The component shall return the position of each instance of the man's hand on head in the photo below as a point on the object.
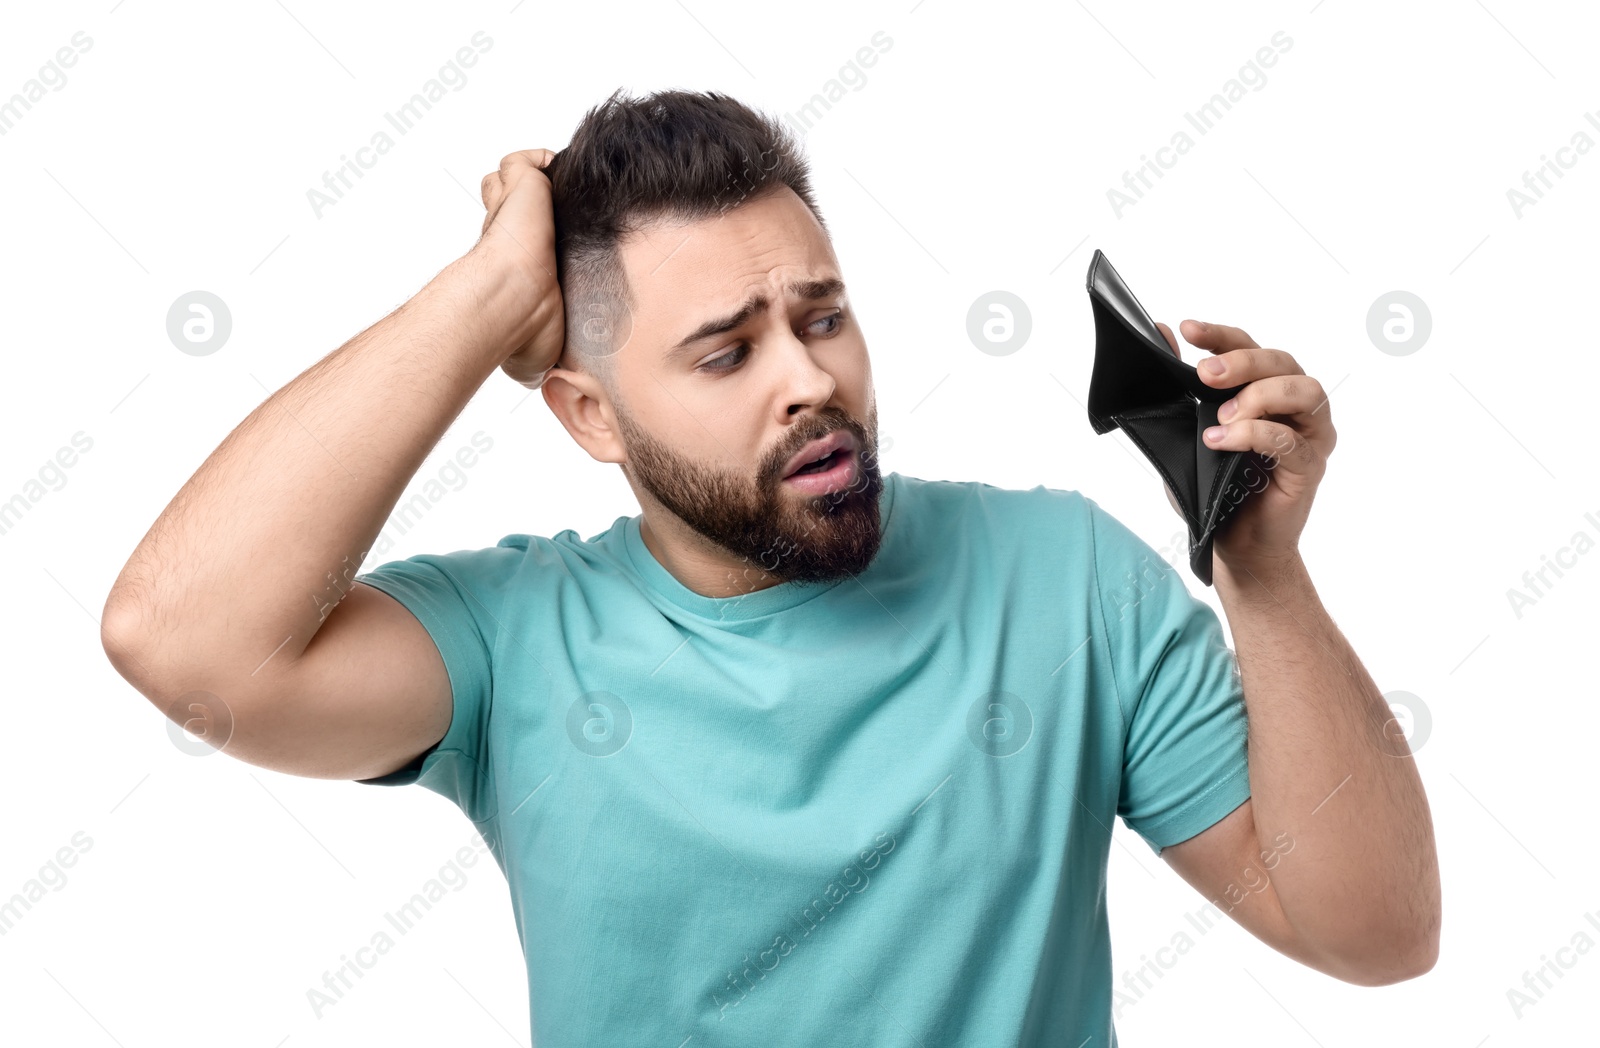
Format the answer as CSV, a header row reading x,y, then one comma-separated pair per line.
x,y
518,242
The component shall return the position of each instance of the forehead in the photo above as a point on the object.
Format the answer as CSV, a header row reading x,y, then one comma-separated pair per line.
x,y
679,271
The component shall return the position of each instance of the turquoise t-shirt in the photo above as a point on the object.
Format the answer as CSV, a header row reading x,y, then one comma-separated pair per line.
x,y
869,812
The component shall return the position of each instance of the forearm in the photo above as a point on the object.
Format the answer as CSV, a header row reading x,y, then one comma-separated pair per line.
x,y
1361,886
244,563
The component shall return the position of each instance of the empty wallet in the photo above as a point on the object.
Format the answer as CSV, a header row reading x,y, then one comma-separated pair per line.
x,y
1140,385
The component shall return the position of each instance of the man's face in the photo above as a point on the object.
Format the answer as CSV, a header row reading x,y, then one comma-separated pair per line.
x,y
711,422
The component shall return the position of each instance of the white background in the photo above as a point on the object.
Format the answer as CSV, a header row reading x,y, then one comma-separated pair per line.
x,y
976,155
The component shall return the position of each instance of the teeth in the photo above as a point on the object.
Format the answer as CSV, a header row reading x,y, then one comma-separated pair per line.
x,y
815,462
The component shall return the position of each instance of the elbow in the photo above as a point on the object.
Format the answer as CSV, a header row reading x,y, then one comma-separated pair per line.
x,y
1424,952
120,629
1388,971
127,639
1391,959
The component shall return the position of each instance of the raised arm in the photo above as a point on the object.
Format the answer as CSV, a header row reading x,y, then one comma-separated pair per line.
x,y
242,589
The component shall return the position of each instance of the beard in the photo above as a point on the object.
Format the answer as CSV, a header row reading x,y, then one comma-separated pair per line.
x,y
776,532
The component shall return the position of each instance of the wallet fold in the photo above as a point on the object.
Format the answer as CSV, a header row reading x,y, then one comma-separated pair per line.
x,y
1142,387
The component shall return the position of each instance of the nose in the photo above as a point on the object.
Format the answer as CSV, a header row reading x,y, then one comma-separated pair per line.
x,y
808,384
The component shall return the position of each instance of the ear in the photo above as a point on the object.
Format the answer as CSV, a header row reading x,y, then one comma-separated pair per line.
x,y
578,400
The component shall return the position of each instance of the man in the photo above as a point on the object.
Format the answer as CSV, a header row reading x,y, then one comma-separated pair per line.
x,y
803,753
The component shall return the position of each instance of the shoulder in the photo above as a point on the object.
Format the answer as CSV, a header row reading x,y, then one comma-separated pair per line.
x,y
1120,553
518,556
475,568
471,561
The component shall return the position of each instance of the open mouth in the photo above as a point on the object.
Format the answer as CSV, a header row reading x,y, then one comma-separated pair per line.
x,y
823,464
829,473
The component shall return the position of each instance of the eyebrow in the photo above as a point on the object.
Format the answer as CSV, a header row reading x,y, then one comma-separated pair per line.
x,y
807,290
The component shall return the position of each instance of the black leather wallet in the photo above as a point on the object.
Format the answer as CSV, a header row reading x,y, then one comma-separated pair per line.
x,y
1161,403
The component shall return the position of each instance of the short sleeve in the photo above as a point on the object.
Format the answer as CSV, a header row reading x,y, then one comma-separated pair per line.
x,y
1184,762
457,597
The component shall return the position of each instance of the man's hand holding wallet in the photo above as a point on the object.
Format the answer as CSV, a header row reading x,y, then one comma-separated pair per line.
x,y
1241,442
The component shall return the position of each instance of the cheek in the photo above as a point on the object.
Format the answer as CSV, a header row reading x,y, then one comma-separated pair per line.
x,y
854,375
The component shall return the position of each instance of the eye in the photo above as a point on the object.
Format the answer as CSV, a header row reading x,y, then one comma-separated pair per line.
x,y
731,360
740,351
836,318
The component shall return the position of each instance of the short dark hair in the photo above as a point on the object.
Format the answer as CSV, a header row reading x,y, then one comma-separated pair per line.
x,y
674,155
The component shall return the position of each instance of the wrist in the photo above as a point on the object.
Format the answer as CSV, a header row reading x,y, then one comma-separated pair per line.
x,y
500,305
1256,577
